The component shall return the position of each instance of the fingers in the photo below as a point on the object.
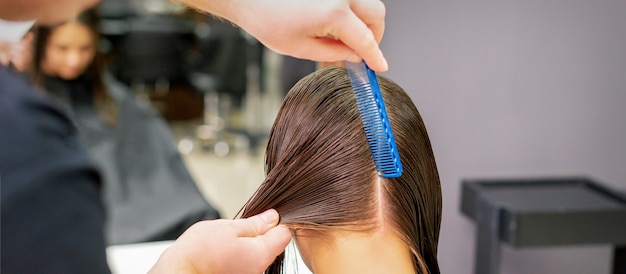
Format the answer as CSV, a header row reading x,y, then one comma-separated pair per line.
x,y
332,50
372,13
4,61
28,38
261,232
355,34
5,48
256,225
273,243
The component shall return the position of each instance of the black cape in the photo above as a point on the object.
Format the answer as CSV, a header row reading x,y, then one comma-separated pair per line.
x,y
148,192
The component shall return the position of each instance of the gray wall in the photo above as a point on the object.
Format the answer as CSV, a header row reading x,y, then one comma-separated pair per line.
x,y
515,88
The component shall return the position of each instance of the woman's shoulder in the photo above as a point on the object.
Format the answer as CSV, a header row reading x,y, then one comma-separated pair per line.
x,y
125,97
135,114
117,89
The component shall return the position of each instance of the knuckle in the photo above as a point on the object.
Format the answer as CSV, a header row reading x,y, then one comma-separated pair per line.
x,y
367,43
338,9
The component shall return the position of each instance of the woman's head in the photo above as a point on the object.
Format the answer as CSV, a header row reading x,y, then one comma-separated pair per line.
x,y
322,180
68,50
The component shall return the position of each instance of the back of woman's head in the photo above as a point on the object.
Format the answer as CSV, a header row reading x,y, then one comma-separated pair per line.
x,y
321,176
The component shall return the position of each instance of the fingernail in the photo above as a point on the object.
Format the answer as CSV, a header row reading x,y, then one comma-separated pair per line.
x,y
270,216
385,65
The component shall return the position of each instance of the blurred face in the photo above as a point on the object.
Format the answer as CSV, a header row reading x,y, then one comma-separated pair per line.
x,y
377,251
44,11
70,49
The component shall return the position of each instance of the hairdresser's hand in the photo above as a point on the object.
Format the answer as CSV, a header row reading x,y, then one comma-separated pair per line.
x,y
17,54
226,246
319,30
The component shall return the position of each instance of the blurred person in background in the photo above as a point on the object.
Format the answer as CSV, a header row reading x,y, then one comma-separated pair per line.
x,y
149,194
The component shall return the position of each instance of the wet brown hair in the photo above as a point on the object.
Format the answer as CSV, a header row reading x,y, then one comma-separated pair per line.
x,y
104,102
321,176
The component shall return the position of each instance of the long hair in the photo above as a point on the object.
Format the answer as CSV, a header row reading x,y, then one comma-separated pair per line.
x,y
320,174
103,101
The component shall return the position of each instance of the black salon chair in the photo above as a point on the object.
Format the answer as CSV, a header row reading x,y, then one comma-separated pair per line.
x,y
151,52
218,72
543,212
117,9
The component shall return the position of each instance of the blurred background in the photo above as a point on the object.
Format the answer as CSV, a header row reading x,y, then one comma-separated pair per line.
x,y
515,89
216,86
506,89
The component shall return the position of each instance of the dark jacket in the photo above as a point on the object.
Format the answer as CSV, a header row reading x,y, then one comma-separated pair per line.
x,y
52,218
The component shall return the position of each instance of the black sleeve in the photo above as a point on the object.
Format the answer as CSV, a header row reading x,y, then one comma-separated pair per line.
x,y
52,218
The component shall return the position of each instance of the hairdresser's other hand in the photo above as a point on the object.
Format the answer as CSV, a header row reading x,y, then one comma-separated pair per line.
x,y
17,54
319,30
226,246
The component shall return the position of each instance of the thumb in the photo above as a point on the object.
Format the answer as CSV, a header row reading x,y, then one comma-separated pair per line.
x,y
257,224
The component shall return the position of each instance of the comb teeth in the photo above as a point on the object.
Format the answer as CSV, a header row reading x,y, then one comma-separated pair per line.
x,y
375,120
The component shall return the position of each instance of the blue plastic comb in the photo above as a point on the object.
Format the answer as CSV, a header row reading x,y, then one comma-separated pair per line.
x,y
375,120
